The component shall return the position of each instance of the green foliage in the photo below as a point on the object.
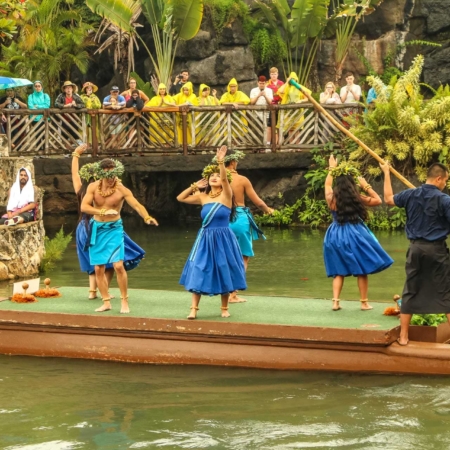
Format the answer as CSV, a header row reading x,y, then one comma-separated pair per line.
x,y
12,11
431,320
54,250
224,12
387,219
280,217
313,212
403,128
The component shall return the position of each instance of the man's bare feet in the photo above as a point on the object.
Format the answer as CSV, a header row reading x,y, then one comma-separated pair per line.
x,y
365,305
235,299
225,312
193,314
105,307
124,309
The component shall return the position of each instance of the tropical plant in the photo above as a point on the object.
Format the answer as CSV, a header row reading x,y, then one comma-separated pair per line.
x,y
403,128
145,87
224,12
11,11
54,250
52,40
431,320
170,21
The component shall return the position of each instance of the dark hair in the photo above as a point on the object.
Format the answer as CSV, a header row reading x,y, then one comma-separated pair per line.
x,y
347,199
233,202
437,170
80,195
184,70
107,164
134,91
349,74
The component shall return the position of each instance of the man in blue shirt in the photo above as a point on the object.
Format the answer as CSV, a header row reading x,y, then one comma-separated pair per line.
x,y
427,285
115,124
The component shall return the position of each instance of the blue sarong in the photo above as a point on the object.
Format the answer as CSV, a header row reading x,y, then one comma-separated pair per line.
x,y
245,229
106,243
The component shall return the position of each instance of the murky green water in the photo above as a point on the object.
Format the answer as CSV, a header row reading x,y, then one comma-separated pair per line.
x,y
57,404
60,404
288,263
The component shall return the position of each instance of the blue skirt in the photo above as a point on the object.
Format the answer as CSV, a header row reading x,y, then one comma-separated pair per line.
x,y
216,266
352,249
133,253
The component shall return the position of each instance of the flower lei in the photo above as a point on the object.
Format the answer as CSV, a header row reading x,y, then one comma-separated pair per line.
x,y
344,168
117,171
212,168
235,156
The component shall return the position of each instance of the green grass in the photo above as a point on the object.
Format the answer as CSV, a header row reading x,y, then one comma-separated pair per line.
x,y
258,309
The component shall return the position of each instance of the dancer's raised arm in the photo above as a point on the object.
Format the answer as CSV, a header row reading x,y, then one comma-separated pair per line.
x,y
187,195
76,179
221,152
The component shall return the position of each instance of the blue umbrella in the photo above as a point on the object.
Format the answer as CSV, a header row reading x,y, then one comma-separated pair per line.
x,y
6,82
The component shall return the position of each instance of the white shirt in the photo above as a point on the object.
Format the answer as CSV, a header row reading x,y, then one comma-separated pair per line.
x,y
350,98
262,100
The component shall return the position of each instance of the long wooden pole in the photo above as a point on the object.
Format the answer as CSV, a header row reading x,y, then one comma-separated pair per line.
x,y
341,127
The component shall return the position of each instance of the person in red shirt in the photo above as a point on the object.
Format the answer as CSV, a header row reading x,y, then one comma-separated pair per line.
x,y
274,83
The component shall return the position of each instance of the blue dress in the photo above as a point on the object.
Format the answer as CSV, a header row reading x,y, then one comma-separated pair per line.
x,y
133,253
352,249
215,265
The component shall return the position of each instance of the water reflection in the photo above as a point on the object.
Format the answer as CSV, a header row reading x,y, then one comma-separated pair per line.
x,y
70,404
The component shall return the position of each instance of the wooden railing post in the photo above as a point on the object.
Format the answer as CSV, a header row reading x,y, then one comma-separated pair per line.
x,y
94,129
8,132
137,118
45,118
228,111
273,126
184,129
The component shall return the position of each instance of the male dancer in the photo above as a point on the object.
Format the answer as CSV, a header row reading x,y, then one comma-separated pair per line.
x,y
244,226
427,285
104,200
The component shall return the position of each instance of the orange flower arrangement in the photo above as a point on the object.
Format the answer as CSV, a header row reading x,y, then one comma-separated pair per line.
x,y
23,298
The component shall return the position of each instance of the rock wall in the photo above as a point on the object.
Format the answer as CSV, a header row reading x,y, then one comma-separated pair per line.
x,y
156,181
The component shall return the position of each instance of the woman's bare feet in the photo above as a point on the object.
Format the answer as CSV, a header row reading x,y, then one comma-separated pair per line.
x,y
193,314
336,305
105,307
225,312
235,299
92,294
365,305
124,308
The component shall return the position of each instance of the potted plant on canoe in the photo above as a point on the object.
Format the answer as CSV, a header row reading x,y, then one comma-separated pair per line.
x,y
429,328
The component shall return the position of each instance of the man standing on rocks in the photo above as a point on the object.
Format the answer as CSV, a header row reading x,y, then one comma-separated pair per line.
x,y
427,285
244,226
104,200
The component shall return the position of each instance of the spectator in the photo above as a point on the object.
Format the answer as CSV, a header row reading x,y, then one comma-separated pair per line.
x,y
38,100
185,97
263,96
132,84
233,96
330,96
161,125
90,100
293,119
69,122
116,102
21,202
12,101
180,80
351,92
205,98
274,84
135,101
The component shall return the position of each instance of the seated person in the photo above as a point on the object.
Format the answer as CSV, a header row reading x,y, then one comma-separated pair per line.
x,y
21,202
135,101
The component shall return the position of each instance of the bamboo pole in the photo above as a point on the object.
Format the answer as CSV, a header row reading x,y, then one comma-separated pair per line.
x,y
341,127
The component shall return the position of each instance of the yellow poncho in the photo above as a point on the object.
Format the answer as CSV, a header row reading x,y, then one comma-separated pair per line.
x,y
209,99
237,97
182,98
157,100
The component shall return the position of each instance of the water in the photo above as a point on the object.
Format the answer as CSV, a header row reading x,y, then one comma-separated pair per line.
x,y
289,263
57,404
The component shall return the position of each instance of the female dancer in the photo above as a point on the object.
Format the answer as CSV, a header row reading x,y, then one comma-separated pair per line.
x,y
215,265
350,248
133,253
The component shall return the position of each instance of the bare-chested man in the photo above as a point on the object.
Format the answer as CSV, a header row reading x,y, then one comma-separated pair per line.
x,y
104,200
244,226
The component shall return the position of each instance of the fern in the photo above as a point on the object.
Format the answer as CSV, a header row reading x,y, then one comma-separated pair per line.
x,y
54,250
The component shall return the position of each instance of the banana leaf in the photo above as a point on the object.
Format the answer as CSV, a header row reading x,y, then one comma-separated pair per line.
x,y
186,17
153,11
118,12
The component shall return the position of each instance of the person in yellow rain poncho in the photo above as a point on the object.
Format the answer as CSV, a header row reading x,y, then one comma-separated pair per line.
x,y
161,128
185,97
209,122
235,98
289,95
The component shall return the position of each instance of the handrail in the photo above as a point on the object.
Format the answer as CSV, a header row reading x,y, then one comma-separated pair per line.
x,y
174,129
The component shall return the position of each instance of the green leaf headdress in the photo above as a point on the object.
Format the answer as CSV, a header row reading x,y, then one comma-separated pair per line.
x,y
345,168
236,155
89,171
118,170
212,168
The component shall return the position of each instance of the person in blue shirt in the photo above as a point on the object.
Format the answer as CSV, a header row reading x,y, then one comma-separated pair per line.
x,y
115,124
427,285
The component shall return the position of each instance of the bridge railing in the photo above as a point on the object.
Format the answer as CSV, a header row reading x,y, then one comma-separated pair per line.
x,y
182,129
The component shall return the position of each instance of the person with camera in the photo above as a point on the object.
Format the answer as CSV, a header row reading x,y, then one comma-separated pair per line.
x,y
263,96
180,80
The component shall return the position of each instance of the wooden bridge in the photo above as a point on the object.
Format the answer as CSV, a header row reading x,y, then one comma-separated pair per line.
x,y
172,130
